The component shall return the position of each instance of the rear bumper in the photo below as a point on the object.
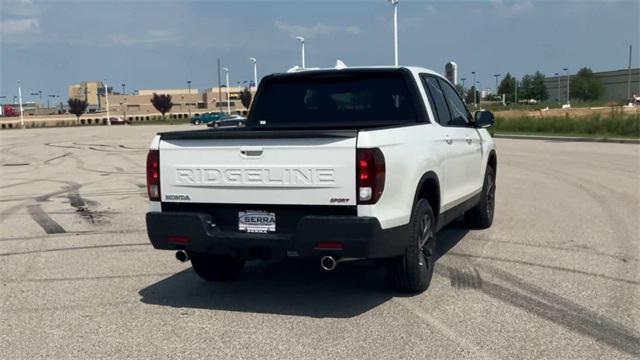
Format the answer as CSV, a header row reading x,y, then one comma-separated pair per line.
x,y
359,237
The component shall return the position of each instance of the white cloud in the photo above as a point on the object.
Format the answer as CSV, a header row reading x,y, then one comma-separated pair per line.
x,y
510,8
315,30
19,26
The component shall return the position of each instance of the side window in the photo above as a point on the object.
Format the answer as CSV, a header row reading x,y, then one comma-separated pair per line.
x,y
460,116
437,100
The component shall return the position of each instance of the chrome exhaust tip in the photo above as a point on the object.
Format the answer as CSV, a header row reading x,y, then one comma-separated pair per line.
x,y
328,263
182,256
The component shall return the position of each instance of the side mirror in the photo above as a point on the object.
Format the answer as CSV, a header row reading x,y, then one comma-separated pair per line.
x,y
484,119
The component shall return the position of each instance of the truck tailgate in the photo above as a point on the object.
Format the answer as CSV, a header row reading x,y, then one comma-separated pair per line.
x,y
252,167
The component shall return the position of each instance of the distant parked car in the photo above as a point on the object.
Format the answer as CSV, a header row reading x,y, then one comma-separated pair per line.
x,y
207,118
228,122
117,120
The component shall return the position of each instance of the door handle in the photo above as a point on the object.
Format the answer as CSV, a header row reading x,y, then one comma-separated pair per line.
x,y
251,150
448,139
469,140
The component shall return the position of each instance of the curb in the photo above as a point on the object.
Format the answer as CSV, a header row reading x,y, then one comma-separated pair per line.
x,y
568,138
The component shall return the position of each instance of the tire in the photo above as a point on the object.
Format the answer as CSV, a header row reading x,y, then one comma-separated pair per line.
x,y
481,215
412,272
216,267
197,122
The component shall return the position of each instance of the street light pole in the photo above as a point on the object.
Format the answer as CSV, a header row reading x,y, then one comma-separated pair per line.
x,y
106,101
475,89
558,75
21,110
568,87
394,3
255,71
463,79
496,76
226,70
189,85
629,77
301,39
515,97
124,92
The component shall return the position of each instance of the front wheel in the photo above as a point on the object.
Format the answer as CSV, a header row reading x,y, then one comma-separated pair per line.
x,y
197,122
412,272
481,215
216,267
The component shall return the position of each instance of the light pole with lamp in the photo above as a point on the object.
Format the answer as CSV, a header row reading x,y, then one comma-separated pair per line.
x,y
21,109
106,101
301,39
226,70
558,76
394,3
475,89
255,71
50,96
189,100
124,89
568,87
123,105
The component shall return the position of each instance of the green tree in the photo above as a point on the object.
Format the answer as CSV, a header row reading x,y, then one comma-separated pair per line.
x,y
538,87
524,89
245,97
162,103
469,97
507,87
77,107
533,87
585,86
460,90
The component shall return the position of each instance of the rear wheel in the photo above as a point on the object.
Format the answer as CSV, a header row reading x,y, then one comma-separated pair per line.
x,y
481,216
413,271
216,267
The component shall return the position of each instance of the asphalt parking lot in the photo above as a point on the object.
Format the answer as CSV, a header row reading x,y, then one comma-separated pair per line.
x,y
557,276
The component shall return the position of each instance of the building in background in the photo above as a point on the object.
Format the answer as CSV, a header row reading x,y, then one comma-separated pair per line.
x,y
90,91
184,101
451,72
614,82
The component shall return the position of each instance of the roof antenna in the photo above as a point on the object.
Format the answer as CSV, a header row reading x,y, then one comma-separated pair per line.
x,y
340,65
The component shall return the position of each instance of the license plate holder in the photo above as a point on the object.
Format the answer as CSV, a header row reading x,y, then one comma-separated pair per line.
x,y
254,221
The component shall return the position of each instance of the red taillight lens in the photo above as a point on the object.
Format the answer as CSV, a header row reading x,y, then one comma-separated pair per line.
x,y
329,245
153,175
370,173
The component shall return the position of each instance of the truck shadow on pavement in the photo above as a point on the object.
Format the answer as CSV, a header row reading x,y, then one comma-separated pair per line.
x,y
289,287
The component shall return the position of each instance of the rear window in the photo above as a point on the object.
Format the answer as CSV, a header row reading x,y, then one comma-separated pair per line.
x,y
334,100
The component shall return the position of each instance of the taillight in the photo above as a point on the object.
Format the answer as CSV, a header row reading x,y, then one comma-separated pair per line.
x,y
153,175
370,171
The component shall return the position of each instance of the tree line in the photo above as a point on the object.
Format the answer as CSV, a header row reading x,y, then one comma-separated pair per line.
x,y
583,86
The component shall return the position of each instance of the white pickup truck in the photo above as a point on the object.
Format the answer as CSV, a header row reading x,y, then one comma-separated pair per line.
x,y
333,164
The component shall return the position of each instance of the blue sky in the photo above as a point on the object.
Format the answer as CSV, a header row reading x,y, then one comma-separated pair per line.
x,y
162,43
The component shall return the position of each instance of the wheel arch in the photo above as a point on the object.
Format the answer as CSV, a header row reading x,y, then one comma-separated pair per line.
x,y
493,161
429,188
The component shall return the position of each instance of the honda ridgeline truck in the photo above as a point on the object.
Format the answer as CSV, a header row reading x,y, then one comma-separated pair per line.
x,y
333,164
